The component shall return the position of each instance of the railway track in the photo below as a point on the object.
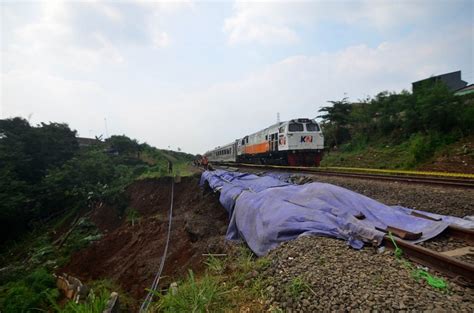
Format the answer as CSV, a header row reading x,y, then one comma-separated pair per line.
x,y
439,180
461,271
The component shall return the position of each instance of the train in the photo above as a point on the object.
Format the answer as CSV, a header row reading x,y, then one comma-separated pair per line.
x,y
297,142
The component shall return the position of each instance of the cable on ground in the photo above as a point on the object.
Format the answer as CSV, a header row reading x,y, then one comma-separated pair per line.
x,y
149,298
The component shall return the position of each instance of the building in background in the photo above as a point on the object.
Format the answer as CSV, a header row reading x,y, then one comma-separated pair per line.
x,y
466,90
452,80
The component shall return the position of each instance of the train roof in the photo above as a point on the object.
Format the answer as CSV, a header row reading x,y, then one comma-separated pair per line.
x,y
278,124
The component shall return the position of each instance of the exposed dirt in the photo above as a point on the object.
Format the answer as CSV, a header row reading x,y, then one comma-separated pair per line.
x,y
456,158
130,255
106,217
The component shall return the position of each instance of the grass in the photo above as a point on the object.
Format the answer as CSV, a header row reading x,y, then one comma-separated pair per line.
x,y
27,283
415,151
229,284
207,294
161,170
296,286
383,157
33,292
215,265
94,303
132,216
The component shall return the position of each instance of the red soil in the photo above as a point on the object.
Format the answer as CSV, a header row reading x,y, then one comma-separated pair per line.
x,y
130,255
456,158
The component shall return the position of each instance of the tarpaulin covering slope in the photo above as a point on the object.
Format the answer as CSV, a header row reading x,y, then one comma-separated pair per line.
x,y
265,211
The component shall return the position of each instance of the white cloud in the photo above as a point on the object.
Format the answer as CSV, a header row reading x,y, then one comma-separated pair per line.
x,y
80,36
299,85
160,39
50,65
276,22
260,22
52,43
47,97
296,86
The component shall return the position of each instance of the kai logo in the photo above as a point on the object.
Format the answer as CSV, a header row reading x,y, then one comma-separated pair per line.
x,y
282,140
306,139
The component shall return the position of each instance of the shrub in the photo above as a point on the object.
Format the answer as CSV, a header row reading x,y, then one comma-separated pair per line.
x,y
34,292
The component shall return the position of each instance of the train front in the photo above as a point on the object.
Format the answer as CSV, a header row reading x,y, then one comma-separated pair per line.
x,y
303,142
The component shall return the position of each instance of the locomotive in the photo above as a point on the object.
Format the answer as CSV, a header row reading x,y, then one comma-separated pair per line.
x,y
298,142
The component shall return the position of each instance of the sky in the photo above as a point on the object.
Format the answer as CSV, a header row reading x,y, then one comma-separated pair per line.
x,y
196,75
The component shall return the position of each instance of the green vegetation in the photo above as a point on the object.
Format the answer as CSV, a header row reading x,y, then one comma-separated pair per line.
x,y
395,130
230,283
204,295
32,292
48,184
93,304
132,216
296,286
43,172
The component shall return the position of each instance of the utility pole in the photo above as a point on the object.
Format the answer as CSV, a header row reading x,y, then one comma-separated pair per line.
x,y
278,117
106,130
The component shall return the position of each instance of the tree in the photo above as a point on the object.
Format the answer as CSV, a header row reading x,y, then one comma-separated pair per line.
x,y
26,154
124,145
30,151
337,119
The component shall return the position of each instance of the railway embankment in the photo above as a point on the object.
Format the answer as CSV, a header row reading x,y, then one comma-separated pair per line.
x,y
316,274
304,275
457,157
130,250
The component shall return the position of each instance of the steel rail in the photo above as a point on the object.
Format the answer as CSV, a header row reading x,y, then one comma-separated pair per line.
x,y
445,182
462,271
149,298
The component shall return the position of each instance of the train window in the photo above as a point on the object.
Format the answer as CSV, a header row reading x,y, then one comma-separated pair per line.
x,y
312,127
281,129
295,127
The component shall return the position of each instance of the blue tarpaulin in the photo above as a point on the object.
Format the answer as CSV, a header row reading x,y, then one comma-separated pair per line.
x,y
265,211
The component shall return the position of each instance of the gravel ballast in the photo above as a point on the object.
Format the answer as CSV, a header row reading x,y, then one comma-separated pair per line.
x,y
316,274
340,278
313,274
441,200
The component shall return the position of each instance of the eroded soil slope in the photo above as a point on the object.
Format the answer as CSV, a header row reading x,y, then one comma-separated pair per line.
x,y
130,254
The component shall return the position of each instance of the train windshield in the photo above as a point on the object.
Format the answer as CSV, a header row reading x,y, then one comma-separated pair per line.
x,y
312,127
295,127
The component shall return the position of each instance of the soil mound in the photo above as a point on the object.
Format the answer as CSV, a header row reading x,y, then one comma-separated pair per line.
x,y
130,255
455,158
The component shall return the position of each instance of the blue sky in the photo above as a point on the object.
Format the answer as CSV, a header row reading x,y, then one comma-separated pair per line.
x,y
196,75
